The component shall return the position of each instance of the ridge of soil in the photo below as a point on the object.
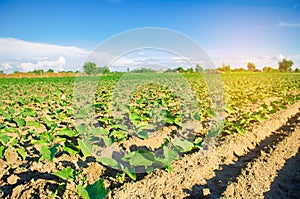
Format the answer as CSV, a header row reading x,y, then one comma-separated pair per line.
x,y
223,170
264,163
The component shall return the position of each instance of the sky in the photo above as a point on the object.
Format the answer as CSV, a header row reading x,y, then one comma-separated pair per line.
x,y
62,34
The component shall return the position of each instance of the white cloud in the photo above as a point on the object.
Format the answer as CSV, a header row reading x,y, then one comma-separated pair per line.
x,y
260,61
44,64
25,56
289,25
5,66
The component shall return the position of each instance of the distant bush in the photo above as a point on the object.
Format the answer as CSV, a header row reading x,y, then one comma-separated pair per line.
x,y
50,71
91,68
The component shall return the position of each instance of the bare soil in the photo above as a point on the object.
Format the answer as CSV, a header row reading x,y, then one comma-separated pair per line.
x,y
263,164
257,165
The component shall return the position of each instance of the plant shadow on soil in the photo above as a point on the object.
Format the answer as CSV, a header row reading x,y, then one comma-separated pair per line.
x,y
287,183
229,173
26,177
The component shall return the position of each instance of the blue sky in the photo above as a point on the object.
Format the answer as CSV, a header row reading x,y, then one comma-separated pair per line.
x,y
234,32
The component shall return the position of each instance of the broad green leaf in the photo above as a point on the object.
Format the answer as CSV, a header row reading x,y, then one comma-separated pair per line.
x,y
83,192
59,139
20,122
229,110
13,142
33,123
130,172
22,153
170,120
110,162
47,136
120,126
240,130
170,155
213,132
2,149
259,118
143,134
140,158
97,190
67,132
4,139
47,122
184,145
48,152
99,131
197,116
170,168
8,129
66,174
81,129
5,115
71,148
86,148
198,142
118,135
177,122
107,140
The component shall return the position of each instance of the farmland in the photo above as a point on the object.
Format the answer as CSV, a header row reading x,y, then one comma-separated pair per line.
x,y
157,124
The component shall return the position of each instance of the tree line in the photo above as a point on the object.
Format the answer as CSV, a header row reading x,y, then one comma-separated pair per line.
x,y
284,65
90,68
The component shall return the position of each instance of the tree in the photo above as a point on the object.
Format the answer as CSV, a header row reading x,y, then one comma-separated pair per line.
x,y
190,70
169,70
227,68
198,69
1,72
50,71
251,66
103,70
143,70
285,65
179,69
38,72
297,70
239,70
90,68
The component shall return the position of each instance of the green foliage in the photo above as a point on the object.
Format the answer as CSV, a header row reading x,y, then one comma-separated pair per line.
x,y
36,118
38,72
97,190
48,153
85,147
285,65
91,68
269,69
225,68
183,145
251,66
143,70
199,69
66,174
91,191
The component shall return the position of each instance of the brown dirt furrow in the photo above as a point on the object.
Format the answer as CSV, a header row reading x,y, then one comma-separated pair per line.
x,y
257,178
208,173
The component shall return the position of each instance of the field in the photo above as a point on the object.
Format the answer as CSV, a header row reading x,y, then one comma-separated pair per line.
x,y
232,135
